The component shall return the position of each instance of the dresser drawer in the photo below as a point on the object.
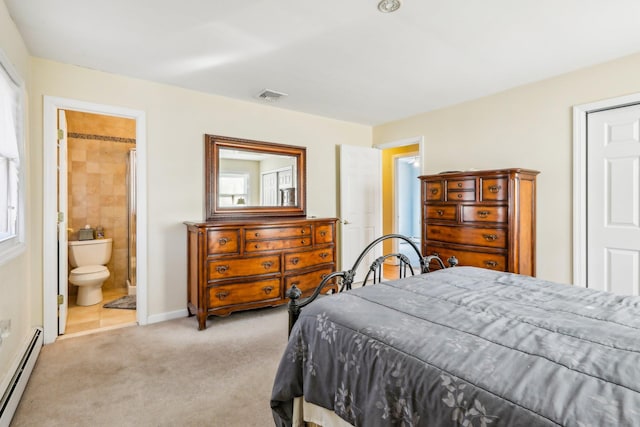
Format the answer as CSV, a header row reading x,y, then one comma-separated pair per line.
x,y
433,190
297,260
223,241
244,292
470,258
478,213
461,196
490,237
461,184
277,232
324,234
441,212
308,282
227,268
272,245
494,189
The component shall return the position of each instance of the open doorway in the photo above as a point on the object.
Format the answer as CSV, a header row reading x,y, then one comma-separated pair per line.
x,y
407,203
401,166
55,293
100,221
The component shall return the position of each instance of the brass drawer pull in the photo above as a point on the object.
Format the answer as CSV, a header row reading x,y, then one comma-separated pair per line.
x,y
459,195
322,277
440,212
495,188
459,185
323,255
256,234
302,231
491,263
257,246
267,265
490,237
434,191
323,233
303,242
222,269
295,260
267,289
483,214
222,295
223,241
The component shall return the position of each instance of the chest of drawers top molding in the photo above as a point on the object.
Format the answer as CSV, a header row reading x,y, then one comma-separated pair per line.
x,y
473,186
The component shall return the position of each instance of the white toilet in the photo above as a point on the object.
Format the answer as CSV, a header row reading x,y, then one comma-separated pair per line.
x,y
89,257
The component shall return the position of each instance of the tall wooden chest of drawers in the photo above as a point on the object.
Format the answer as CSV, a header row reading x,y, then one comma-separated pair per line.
x,y
484,218
239,265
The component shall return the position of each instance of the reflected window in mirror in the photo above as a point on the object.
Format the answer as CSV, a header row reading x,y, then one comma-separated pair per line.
x,y
234,189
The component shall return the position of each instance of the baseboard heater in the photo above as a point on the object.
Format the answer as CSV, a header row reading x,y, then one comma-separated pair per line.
x,y
15,388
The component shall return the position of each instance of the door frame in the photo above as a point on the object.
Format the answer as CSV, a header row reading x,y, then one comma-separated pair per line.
x,y
419,140
51,105
580,184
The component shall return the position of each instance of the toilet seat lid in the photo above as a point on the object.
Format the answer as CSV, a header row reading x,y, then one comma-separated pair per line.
x,y
87,269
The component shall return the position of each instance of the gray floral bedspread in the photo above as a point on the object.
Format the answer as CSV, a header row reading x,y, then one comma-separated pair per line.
x,y
469,347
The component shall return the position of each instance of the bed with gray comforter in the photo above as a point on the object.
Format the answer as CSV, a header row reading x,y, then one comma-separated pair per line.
x,y
466,346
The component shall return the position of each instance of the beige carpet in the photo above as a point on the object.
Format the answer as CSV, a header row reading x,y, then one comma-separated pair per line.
x,y
165,374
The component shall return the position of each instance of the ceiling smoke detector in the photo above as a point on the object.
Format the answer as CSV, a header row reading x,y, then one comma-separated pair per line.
x,y
270,95
387,6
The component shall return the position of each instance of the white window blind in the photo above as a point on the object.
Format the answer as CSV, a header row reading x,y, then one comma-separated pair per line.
x,y
233,189
11,140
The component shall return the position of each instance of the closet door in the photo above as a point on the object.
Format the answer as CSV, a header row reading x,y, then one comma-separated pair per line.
x,y
613,203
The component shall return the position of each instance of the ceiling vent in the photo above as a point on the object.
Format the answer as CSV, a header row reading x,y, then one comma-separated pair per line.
x,y
270,95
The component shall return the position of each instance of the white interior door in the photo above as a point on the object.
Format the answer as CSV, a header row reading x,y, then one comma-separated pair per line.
x,y
269,189
62,222
360,204
613,200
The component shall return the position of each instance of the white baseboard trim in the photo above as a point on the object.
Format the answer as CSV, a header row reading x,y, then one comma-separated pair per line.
x,y
170,315
21,370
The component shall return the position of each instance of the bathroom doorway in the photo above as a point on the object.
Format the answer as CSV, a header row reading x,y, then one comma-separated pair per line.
x,y
101,205
105,199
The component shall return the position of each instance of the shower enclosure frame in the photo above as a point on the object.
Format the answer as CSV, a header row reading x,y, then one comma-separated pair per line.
x,y
131,222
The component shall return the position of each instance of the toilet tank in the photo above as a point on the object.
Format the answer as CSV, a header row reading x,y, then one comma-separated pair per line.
x,y
89,252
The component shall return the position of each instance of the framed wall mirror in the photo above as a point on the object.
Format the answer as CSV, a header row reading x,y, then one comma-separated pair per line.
x,y
245,178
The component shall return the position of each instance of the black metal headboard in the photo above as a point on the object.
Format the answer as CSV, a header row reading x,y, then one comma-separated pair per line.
x,y
343,280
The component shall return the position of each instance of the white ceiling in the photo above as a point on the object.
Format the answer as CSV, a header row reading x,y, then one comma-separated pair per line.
x,y
336,58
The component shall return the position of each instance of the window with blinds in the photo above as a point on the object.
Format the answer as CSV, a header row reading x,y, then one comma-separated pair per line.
x,y
11,160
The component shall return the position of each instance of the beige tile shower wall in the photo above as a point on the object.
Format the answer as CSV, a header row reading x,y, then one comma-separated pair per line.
x,y
98,148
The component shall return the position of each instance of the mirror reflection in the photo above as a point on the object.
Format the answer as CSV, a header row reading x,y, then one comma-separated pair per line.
x,y
253,178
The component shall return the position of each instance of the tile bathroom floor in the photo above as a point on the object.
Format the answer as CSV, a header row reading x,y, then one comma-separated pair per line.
x,y
81,319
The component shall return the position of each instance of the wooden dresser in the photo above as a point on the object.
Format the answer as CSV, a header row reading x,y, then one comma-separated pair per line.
x,y
484,218
239,265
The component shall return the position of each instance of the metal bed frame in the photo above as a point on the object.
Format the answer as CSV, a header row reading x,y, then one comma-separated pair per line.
x,y
343,280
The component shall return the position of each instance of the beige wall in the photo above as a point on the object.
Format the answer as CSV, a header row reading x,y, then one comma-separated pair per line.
x,y
530,127
15,277
176,120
